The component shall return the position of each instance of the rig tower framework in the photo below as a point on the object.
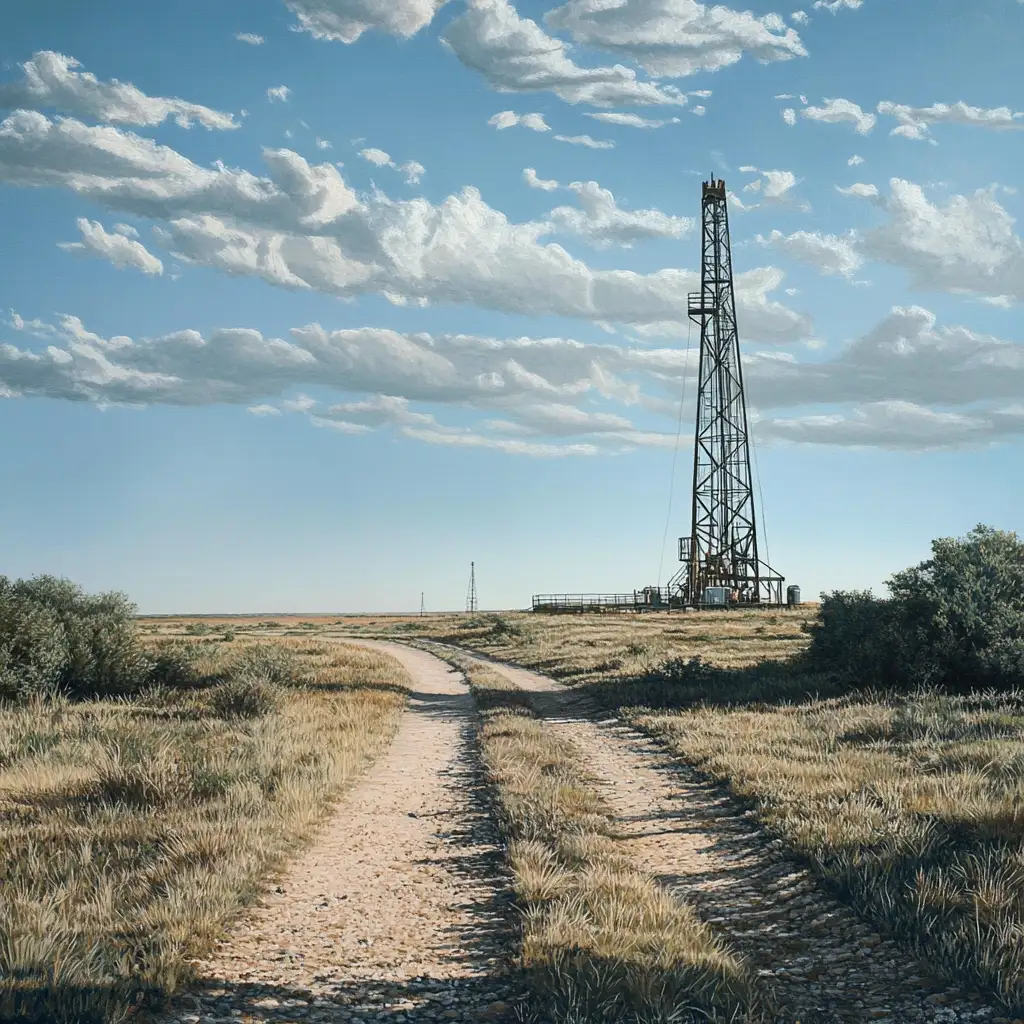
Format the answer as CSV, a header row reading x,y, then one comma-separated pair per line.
x,y
471,601
721,562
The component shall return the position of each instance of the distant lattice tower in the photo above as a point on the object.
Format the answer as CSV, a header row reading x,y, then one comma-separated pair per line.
x,y
721,552
471,602
423,607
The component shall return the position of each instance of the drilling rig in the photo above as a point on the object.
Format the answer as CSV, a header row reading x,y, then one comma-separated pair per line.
x,y
721,564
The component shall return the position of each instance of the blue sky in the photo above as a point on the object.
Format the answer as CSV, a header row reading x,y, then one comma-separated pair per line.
x,y
317,347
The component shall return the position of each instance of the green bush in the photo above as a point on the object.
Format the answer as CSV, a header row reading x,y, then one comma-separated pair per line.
x,y
55,638
955,620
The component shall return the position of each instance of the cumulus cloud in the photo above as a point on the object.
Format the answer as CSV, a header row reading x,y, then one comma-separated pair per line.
x,y
600,221
831,254
345,21
789,116
631,120
838,110
966,245
586,140
675,38
515,54
279,92
250,37
860,190
855,161
531,179
50,81
412,169
915,122
907,383
838,5
303,227
120,249
773,188
799,17
509,119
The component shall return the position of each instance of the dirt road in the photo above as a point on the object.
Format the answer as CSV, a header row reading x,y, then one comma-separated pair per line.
x,y
400,910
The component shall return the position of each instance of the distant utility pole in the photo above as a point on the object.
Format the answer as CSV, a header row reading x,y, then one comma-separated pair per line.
x,y
423,607
471,602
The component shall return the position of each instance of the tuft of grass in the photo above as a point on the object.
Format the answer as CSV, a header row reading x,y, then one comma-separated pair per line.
x,y
133,830
602,941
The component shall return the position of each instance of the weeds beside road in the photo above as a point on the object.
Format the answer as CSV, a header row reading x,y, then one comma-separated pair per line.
x,y
601,940
132,829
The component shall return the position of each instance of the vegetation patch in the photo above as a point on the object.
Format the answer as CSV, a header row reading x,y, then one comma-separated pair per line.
x,y
910,806
135,825
601,940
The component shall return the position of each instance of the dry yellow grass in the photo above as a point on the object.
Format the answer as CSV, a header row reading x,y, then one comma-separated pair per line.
x,y
132,831
913,808
601,940
589,648
910,806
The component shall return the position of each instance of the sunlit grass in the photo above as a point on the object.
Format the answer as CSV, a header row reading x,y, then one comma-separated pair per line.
x,y
132,831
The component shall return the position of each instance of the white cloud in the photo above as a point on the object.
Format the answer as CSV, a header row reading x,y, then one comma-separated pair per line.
x,y
119,249
50,81
631,120
412,169
676,37
346,20
600,221
773,187
127,230
855,161
377,157
699,110
799,17
531,179
322,143
860,190
837,110
914,122
585,140
789,116
509,119
250,37
966,245
907,383
303,227
838,5
831,254
515,54
279,92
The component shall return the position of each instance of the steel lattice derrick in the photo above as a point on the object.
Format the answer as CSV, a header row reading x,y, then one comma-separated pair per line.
x,y
722,549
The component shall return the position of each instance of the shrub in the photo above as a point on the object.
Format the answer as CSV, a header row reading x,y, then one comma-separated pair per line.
x,y
955,620
55,637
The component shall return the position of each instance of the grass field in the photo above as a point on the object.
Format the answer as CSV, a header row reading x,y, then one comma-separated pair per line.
x,y
132,830
911,806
